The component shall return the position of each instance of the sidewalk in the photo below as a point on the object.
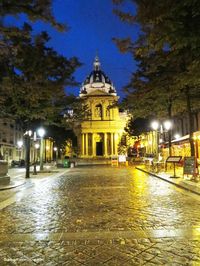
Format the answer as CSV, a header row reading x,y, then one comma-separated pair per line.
x,y
17,176
179,181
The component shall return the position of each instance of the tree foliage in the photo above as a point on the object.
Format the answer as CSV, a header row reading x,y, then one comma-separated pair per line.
x,y
34,9
137,126
32,75
168,52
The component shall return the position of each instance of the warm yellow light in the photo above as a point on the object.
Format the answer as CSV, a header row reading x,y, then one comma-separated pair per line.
x,y
167,124
19,143
37,145
177,136
41,132
155,125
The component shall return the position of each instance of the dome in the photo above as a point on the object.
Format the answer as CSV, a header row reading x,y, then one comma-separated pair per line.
x,y
97,76
97,80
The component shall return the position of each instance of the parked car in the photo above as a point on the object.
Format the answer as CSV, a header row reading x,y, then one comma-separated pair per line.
x,y
20,163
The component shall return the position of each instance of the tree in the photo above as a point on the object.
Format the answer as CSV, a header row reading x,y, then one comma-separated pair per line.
x,y
33,76
60,135
34,10
36,79
167,27
137,126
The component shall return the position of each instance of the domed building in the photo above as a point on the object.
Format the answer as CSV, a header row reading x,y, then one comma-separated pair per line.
x,y
99,134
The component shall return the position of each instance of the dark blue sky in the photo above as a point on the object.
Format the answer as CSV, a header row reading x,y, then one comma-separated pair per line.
x,y
92,26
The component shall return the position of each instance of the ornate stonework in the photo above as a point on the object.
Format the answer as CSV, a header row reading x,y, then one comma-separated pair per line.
x,y
100,134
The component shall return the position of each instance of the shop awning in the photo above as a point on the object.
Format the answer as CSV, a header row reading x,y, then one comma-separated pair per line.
x,y
181,139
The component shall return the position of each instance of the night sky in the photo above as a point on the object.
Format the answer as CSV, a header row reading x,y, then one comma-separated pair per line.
x,y
92,26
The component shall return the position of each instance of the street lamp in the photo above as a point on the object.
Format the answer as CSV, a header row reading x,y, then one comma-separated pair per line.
x,y
41,133
155,126
168,126
55,150
19,145
27,136
36,147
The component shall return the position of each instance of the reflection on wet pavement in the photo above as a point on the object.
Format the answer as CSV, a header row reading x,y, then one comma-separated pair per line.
x,y
104,208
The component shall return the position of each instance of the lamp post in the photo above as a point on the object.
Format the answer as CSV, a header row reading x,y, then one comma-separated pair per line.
x,y
155,126
41,133
19,145
167,128
36,147
55,150
27,137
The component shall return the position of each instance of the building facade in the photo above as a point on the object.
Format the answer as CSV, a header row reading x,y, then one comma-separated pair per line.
x,y
99,134
180,145
10,134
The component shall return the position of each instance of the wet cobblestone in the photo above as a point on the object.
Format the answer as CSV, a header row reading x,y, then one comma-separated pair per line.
x,y
101,215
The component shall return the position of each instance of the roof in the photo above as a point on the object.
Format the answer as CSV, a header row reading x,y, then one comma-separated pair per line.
x,y
97,80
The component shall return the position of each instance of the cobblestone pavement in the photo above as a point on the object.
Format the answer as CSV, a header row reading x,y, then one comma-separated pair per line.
x,y
101,215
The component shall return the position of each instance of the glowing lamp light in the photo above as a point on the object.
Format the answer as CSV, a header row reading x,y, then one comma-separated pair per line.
x,y
41,132
19,143
177,136
28,133
167,125
155,125
37,145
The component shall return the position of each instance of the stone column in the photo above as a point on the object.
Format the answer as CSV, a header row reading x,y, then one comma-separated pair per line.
x,y
115,140
86,144
114,143
105,145
93,146
83,144
111,143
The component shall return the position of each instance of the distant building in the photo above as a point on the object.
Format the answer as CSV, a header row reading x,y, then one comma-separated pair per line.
x,y
99,134
10,134
180,145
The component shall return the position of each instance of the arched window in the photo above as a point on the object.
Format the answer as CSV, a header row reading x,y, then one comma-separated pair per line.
x,y
98,110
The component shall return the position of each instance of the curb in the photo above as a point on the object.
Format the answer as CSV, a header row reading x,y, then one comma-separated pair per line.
x,y
13,184
183,186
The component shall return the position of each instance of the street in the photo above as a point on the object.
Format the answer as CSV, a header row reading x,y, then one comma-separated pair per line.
x,y
94,215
